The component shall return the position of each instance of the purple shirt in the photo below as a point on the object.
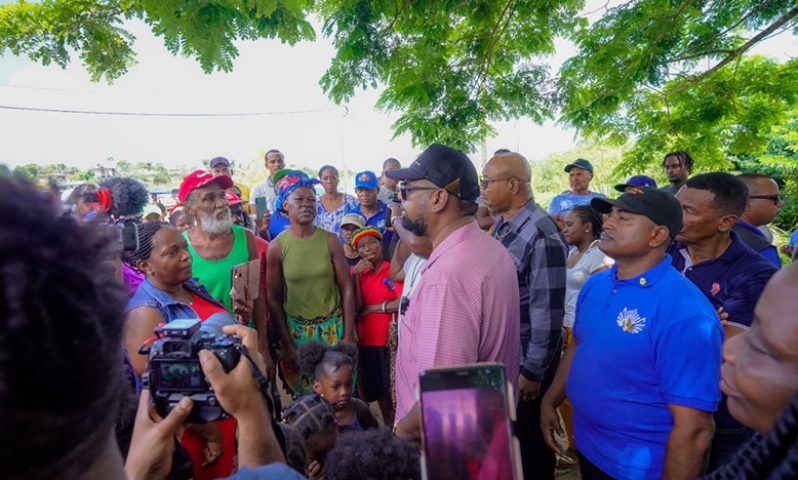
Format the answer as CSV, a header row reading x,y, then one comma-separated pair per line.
x,y
465,309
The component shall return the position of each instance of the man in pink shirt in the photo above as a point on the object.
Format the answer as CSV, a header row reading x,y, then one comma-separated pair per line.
x,y
465,308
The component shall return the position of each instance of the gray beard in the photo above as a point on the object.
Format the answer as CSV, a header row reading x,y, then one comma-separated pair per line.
x,y
213,226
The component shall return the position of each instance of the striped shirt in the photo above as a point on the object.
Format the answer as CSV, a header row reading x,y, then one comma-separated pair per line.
x,y
463,310
539,252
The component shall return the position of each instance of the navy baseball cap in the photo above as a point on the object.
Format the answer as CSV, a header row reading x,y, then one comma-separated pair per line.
x,y
579,163
660,207
637,181
217,161
447,168
366,179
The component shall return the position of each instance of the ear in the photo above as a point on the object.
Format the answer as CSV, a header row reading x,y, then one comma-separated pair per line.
x,y
659,236
143,265
515,185
317,387
727,222
438,199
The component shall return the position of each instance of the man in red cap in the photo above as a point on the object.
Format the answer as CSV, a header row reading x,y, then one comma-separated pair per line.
x,y
217,245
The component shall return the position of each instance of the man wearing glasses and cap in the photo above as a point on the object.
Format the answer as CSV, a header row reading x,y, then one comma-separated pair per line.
x,y
465,306
764,205
580,174
643,370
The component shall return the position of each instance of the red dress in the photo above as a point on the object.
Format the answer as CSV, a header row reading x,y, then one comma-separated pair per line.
x,y
193,443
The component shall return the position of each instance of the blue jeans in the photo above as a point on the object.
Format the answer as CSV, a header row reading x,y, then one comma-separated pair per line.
x,y
726,443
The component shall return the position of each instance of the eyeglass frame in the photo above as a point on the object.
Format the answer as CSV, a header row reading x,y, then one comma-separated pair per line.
x,y
487,182
775,198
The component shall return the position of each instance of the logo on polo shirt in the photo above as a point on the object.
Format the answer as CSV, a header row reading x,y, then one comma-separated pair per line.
x,y
630,321
715,289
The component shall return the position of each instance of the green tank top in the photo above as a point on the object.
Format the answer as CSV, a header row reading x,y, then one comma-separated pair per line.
x,y
217,275
310,290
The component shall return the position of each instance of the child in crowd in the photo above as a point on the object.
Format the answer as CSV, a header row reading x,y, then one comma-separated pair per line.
x,y
332,370
313,418
373,454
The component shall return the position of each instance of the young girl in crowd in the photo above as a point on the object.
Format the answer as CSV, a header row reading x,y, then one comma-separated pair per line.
x,y
377,297
332,370
313,419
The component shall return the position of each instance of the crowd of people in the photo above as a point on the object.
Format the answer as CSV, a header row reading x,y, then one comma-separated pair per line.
x,y
652,335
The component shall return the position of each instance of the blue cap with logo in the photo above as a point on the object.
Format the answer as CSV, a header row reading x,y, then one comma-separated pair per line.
x,y
637,181
579,163
366,179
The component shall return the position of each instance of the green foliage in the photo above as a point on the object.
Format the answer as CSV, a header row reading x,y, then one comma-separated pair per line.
x,y
671,75
449,67
205,30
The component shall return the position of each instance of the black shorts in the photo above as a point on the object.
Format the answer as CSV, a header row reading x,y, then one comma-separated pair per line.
x,y
375,372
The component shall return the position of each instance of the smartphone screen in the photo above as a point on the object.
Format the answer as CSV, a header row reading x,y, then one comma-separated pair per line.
x,y
466,423
260,208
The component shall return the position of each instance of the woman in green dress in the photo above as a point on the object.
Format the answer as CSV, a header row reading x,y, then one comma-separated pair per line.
x,y
310,290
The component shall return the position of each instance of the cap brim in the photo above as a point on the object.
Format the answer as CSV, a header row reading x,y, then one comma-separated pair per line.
x,y
223,181
621,187
404,174
604,205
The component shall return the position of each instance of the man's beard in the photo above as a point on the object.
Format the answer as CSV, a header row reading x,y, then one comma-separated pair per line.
x,y
417,227
215,226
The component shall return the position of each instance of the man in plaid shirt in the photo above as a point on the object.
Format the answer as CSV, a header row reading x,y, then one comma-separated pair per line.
x,y
539,252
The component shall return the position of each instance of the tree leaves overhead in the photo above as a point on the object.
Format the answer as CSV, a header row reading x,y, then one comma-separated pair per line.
x,y
449,67
204,29
656,74
673,75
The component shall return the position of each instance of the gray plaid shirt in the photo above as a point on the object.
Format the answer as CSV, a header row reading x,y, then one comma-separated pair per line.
x,y
539,252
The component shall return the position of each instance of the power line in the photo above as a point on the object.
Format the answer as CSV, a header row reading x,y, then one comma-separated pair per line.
x,y
160,114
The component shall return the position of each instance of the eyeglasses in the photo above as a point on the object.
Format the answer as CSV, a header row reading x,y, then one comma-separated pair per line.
x,y
775,198
486,182
404,190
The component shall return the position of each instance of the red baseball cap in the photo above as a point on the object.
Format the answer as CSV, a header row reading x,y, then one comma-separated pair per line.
x,y
200,178
232,198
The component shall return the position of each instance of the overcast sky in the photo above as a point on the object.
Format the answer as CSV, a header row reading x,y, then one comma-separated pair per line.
x,y
267,77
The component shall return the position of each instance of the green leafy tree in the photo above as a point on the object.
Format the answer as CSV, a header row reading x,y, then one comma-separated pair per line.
x,y
673,75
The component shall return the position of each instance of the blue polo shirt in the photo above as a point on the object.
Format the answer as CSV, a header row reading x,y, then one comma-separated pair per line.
x,y
380,221
565,202
278,223
642,344
734,280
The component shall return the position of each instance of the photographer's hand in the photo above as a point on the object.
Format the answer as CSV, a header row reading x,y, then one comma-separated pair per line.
x,y
153,442
238,393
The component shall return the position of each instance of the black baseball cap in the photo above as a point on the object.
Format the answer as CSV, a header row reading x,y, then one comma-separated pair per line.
x,y
579,163
217,161
446,167
660,207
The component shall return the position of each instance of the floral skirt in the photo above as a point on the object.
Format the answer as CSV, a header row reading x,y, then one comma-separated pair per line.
x,y
329,330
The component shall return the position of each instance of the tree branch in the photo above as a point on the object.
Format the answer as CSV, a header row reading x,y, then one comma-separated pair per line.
x,y
738,51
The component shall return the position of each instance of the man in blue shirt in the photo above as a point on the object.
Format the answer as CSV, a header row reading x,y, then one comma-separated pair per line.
x,y
764,205
643,371
728,272
376,213
580,173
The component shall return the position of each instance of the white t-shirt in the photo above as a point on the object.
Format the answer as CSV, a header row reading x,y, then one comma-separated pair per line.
x,y
576,276
264,189
412,269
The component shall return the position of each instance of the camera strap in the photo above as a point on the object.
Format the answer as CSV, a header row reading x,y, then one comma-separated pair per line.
x,y
263,386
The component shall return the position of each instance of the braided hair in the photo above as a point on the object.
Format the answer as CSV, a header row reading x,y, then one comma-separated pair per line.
x,y
588,215
315,356
310,415
773,456
147,232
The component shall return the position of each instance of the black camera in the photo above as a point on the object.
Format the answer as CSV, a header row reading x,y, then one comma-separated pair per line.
x,y
174,369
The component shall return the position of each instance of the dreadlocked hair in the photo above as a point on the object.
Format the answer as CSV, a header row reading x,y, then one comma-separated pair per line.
x,y
310,415
314,356
146,233
61,363
774,456
128,196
